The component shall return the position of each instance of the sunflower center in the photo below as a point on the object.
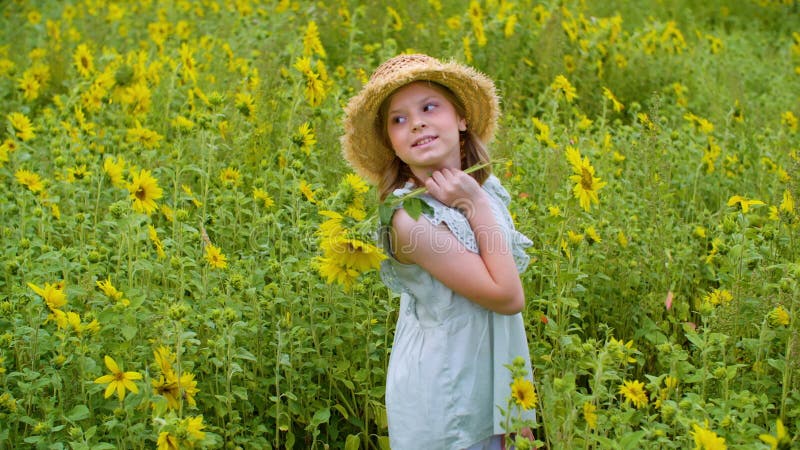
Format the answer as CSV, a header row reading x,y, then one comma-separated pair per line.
x,y
586,179
85,62
141,194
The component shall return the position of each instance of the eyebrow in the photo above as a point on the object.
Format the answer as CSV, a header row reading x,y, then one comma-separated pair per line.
x,y
424,100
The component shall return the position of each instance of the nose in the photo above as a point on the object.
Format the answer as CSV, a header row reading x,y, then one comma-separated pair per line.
x,y
418,125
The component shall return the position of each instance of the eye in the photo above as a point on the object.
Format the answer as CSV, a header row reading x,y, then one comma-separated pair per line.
x,y
429,107
397,120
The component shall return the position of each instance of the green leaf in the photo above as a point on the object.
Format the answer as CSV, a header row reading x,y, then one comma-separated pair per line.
x,y
128,331
77,413
385,212
631,440
415,206
321,416
103,446
353,442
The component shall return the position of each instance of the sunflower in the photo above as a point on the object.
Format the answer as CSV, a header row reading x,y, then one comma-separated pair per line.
x,y
260,194
743,203
781,440
53,294
590,414
144,192
194,427
215,257
562,85
586,184
230,176
334,271
118,380
353,253
706,439
23,128
109,290
84,61
168,441
634,393
29,179
524,393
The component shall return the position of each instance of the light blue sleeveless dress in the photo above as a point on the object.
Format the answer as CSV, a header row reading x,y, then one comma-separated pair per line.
x,y
446,375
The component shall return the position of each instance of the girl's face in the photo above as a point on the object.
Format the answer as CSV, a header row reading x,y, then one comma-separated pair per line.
x,y
423,128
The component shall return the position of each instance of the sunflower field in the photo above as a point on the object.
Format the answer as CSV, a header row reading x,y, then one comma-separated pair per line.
x,y
188,262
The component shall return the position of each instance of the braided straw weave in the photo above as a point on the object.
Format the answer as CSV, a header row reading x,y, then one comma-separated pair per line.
x,y
362,145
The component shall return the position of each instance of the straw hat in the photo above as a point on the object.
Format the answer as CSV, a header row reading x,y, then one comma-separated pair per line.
x,y
362,145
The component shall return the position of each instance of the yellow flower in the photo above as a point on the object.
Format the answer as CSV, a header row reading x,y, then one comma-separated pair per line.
x,y
335,271
164,359
397,22
311,42
787,204
215,257
743,202
84,61
356,183
174,389
23,128
118,380
109,290
524,393
586,184
618,107
148,138
622,239
53,294
305,189
718,297
589,414
781,440
183,123
153,235
188,190
230,176
305,138
592,235
260,194
554,211
137,97
245,103
790,120
29,85
77,173
634,393
561,85
705,439
194,427
168,441
575,238
29,180
144,192
779,316
353,253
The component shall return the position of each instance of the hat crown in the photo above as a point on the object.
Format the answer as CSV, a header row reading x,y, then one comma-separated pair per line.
x,y
403,62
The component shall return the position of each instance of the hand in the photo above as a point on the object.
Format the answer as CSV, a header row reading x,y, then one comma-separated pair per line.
x,y
455,188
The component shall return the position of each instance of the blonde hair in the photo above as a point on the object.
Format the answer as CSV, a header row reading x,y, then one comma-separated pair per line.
x,y
397,172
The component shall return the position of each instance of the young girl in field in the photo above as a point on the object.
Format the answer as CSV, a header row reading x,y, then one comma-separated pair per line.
x,y
420,122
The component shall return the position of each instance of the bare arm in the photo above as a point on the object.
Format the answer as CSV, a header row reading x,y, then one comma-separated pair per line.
x,y
489,278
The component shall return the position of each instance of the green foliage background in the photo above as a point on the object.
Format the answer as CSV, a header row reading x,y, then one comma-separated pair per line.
x,y
283,359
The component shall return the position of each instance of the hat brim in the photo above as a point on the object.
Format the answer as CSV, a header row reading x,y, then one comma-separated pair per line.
x,y
362,145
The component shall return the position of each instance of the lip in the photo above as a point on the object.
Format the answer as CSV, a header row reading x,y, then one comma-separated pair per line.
x,y
424,140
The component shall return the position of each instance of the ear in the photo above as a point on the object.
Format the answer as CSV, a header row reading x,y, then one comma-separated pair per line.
x,y
462,124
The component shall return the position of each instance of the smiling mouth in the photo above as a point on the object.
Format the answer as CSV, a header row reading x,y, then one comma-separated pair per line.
x,y
423,141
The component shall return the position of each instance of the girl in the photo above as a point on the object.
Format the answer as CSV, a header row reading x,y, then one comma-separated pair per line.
x,y
420,122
